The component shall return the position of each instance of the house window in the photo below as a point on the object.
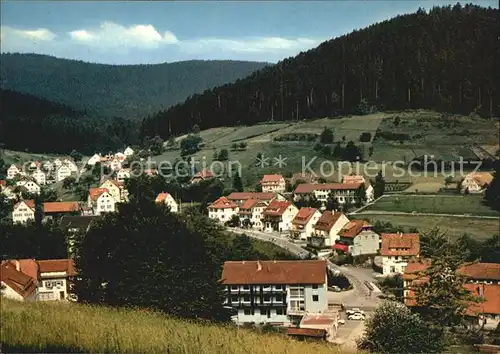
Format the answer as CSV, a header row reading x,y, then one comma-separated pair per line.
x,y
280,311
234,287
246,298
315,298
234,298
263,312
315,286
247,312
246,287
279,298
267,298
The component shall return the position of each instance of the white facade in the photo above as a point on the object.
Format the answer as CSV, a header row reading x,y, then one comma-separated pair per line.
x,y
94,159
113,190
128,151
13,171
366,242
62,172
254,215
120,156
306,230
72,166
105,203
22,213
57,163
52,286
392,265
115,164
31,186
48,166
169,201
122,175
273,184
284,221
39,176
222,214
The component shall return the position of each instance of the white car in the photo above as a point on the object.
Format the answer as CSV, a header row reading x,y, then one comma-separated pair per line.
x,y
354,311
341,321
356,316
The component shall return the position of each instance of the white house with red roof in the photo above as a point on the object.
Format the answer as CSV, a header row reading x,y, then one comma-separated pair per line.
x,y
303,223
30,185
241,197
343,192
42,280
397,250
128,151
23,212
204,174
120,156
94,159
62,172
273,184
250,213
13,171
327,228
168,200
101,201
123,174
278,216
275,292
71,164
115,164
222,209
360,179
358,238
116,189
39,176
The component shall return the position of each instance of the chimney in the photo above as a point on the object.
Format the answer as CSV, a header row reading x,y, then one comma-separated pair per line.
x,y
18,265
259,266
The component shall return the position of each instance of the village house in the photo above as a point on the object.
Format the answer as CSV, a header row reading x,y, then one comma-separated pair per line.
x,y
360,179
120,156
273,184
13,171
303,223
115,164
327,228
39,176
128,151
71,164
278,216
57,163
358,238
241,197
9,192
101,201
116,189
250,213
123,174
483,280
48,166
202,175
31,186
33,165
275,292
32,280
94,159
343,192
23,212
397,250
222,209
168,200
62,172
476,182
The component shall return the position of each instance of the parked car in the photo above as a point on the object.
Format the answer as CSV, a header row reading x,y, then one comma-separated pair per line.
x,y
357,317
354,311
341,321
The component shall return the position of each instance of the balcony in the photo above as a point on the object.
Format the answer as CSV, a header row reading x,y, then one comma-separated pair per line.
x,y
296,311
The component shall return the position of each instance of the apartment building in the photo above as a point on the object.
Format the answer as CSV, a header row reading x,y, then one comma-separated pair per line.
x,y
275,292
250,213
273,184
222,209
327,228
278,216
397,250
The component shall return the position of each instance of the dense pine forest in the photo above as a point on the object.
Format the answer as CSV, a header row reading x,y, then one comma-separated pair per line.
x,y
445,59
128,91
28,123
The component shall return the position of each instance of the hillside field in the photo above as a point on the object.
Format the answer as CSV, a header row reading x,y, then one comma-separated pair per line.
x,y
436,204
69,327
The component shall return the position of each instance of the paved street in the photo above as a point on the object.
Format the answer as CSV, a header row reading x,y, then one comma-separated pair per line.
x,y
360,296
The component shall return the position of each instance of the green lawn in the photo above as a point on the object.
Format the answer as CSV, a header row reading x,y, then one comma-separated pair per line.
x,y
455,227
442,204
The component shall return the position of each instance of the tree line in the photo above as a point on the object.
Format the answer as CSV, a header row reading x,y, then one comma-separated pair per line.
x,y
444,59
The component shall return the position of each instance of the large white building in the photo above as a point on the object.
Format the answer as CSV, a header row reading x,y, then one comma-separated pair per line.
x,y
397,251
250,213
278,216
222,209
101,201
168,200
327,228
13,171
39,176
31,186
275,292
343,192
273,184
62,172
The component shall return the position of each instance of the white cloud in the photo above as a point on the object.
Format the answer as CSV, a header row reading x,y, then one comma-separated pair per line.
x,y
111,40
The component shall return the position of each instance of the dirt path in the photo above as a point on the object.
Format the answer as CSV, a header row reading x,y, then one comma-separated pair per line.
x,y
350,341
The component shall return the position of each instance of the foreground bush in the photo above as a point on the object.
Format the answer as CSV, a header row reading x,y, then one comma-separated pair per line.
x,y
68,327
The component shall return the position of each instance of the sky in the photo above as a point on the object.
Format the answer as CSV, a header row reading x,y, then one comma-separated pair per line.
x,y
150,32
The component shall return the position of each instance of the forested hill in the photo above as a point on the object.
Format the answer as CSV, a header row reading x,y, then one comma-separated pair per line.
x,y
444,59
129,91
28,123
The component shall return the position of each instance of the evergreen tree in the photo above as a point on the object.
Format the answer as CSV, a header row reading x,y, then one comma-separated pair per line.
x,y
360,195
237,183
326,136
492,193
379,185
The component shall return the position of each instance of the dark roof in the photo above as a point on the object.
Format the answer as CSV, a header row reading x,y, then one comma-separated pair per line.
x,y
77,222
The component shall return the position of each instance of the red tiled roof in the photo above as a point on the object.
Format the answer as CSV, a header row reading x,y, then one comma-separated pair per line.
x,y
308,332
271,179
3,182
303,216
353,228
60,207
276,207
353,179
96,192
400,245
161,197
21,283
274,272
251,195
223,203
115,182
341,247
306,188
57,265
477,271
327,220
249,203
490,293
29,203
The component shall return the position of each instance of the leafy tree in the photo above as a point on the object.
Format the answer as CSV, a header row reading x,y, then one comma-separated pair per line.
x,y
459,186
243,145
351,152
379,185
5,207
360,195
326,136
76,156
196,129
234,146
433,243
3,168
68,182
490,252
242,249
338,151
190,145
492,193
147,257
364,108
48,194
223,155
332,202
448,180
234,221
396,121
365,137
237,183
394,329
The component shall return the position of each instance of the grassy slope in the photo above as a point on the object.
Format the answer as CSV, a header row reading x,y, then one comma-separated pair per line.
x,y
444,204
72,327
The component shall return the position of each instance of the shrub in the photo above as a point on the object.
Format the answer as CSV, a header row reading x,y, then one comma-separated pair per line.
x,y
365,137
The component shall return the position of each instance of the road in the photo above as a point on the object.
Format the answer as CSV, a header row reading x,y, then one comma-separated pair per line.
x,y
360,296
382,212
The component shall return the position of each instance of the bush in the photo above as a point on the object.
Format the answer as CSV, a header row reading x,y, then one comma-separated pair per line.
x,y
394,329
365,137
